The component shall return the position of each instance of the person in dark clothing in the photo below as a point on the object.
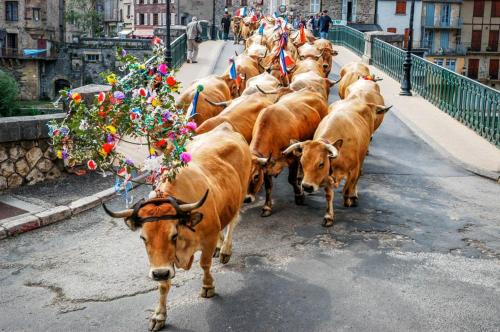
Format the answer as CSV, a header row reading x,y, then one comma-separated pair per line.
x,y
324,24
226,24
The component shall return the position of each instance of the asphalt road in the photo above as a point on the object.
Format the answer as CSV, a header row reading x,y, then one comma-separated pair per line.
x,y
421,252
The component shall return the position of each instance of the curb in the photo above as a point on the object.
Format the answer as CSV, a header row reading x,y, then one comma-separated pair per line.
x,y
490,175
27,222
214,63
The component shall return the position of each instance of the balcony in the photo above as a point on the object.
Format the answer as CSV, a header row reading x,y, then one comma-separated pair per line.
x,y
459,49
482,48
15,53
437,22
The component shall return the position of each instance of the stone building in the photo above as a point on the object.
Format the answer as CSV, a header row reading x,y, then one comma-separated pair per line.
x,y
149,15
359,12
480,35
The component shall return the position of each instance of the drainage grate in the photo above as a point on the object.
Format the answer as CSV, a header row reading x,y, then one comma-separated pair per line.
x,y
7,211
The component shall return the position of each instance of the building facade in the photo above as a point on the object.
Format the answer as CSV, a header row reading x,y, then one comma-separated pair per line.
x,y
151,14
480,35
350,11
394,16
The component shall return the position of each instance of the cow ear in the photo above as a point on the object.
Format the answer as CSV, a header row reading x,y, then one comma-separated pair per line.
x,y
132,225
195,219
338,143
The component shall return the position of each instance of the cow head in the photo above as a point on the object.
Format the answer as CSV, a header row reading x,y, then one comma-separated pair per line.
x,y
256,179
168,231
315,157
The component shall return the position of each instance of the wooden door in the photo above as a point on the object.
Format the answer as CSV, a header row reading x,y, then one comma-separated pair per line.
x,y
494,69
476,40
473,68
493,41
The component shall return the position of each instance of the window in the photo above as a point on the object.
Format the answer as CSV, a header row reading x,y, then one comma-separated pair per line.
x,y
92,57
244,3
401,7
11,11
478,8
229,3
439,62
495,8
475,44
141,19
393,30
314,6
128,11
155,1
36,14
451,64
493,41
445,14
155,19
494,69
141,2
12,43
473,68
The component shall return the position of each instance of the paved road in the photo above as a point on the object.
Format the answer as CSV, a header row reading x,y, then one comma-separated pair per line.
x,y
421,252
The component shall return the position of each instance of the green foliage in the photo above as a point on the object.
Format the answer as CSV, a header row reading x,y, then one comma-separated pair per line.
x,y
9,104
84,15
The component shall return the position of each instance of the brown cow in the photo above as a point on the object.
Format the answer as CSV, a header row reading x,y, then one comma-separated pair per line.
x,y
295,37
265,81
295,116
367,91
236,23
327,51
314,81
173,231
241,113
215,88
308,65
337,151
349,74
247,67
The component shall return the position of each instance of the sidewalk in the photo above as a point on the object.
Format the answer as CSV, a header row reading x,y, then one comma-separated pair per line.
x,y
434,126
31,207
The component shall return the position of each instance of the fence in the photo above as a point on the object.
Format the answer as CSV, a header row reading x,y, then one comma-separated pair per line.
x,y
470,102
348,37
179,49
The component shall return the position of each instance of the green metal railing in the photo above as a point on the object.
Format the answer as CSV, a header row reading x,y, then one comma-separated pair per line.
x,y
470,102
348,37
179,51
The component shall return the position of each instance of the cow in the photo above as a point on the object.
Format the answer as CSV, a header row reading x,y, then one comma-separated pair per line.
x,y
295,116
308,65
256,39
173,230
322,56
314,81
265,81
215,88
236,27
349,74
247,67
295,37
327,53
336,151
241,113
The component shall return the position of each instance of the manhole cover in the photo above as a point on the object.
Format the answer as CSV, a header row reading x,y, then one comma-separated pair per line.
x,y
7,211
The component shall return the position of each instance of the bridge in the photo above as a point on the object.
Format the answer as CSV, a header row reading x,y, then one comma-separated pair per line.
x,y
420,252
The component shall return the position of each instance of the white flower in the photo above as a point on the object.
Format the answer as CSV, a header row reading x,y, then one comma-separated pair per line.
x,y
84,125
152,164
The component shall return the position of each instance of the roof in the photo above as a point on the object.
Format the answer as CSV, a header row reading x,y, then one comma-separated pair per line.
x,y
365,27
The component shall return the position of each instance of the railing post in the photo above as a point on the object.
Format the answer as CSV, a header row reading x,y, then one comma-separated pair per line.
x,y
367,54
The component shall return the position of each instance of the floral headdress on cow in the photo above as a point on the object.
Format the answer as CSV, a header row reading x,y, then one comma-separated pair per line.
x,y
139,109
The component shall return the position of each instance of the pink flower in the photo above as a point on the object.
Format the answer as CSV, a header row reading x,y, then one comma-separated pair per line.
x,y
184,131
191,125
162,68
185,157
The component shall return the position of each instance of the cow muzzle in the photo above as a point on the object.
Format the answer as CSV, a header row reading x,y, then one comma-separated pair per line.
x,y
309,187
162,274
249,198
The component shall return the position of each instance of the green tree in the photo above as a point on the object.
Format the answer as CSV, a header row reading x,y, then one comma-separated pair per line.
x,y
9,104
84,15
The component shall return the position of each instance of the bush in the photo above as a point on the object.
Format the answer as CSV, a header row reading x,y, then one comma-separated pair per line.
x,y
8,97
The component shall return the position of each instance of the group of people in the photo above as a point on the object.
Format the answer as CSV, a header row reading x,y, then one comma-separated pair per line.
x,y
320,23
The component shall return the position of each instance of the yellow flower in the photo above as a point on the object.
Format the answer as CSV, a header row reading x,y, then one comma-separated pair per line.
x,y
59,154
103,153
142,66
111,129
111,79
152,151
155,102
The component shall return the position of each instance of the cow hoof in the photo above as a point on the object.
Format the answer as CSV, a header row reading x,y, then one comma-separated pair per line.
x,y
347,202
207,292
327,222
300,199
224,258
216,252
266,212
157,321
354,201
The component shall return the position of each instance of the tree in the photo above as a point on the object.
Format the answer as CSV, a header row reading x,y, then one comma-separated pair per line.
x,y
85,15
8,98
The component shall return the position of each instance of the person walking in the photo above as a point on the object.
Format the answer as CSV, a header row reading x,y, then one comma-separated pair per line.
x,y
193,32
310,24
226,24
324,24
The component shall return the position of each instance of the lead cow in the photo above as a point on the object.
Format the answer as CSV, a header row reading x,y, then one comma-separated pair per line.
x,y
173,230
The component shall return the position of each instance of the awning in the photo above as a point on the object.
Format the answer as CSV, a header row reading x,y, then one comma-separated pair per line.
x,y
125,32
34,52
144,33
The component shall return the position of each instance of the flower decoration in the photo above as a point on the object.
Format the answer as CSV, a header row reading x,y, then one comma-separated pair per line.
x,y
140,106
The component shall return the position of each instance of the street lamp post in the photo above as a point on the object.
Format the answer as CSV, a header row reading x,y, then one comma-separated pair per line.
x,y
406,81
213,21
168,50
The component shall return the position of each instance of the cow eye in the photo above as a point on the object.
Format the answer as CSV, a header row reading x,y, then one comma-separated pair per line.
x,y
256,177
174,237
321,165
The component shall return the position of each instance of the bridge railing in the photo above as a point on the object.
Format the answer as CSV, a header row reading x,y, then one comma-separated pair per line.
x,y
179,51
348,37
474,104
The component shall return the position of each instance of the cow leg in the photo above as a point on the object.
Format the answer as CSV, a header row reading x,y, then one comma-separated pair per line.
x,y
227,247
208,288
220,240
328,219
293,171
350,189
157,320
267,209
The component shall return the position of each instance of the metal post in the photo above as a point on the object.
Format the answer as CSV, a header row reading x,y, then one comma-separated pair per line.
x,y
168,51
406,81
213,22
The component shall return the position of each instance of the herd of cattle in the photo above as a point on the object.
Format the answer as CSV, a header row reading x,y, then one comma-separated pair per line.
x,y
249,129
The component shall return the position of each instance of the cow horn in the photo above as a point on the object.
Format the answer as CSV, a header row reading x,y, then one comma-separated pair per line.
x,y
293,147
192,206
383,109
266,92
221,103
262,57
334,153
120,214
332,82
236,53
376,79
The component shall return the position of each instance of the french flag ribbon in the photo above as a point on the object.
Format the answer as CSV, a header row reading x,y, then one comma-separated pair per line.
x,y
285,62
284,40
194,103
261,28
232,72
241,12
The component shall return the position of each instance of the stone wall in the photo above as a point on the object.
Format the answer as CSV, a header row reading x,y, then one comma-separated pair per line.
x,y
25,153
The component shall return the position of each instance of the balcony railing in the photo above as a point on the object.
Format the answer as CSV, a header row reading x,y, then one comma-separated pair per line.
x,y
474,104
440,23
16,53
459,49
